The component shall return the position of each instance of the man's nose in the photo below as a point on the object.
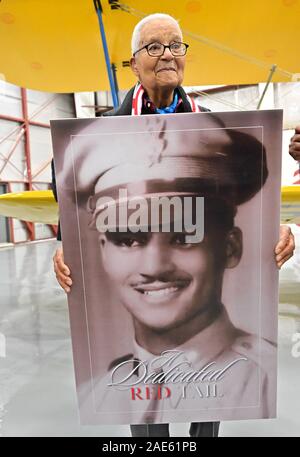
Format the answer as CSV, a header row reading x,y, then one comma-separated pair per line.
x,y
167,55
157,260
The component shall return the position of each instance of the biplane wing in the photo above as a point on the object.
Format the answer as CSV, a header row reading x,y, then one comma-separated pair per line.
x,y
33,206
44,45
40,206
290,204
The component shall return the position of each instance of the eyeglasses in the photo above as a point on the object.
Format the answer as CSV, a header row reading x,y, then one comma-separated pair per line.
x,y
177,49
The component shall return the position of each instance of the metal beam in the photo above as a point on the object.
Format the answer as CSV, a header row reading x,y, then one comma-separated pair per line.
x,y
272,71
29,225
21,120
114,94
23,129
114,73
11,221
7,158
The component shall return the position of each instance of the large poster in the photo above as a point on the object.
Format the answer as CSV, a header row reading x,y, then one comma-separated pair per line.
x,y
169,224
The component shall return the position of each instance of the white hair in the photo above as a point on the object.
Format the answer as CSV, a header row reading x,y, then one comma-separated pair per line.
x,y
136,36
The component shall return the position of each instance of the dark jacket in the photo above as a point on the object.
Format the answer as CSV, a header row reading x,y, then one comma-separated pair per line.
x,y
125,110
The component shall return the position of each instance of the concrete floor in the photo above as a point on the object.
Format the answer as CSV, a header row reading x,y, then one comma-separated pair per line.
x,y
37,387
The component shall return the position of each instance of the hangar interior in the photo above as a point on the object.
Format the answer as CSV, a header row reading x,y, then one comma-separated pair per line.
x,y
37,384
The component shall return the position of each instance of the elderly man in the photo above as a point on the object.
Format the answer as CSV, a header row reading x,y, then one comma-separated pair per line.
x,y
158,61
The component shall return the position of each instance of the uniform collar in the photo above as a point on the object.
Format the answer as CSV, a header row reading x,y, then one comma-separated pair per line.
x,y
205,346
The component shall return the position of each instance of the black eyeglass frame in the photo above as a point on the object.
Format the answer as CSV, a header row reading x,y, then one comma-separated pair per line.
x,y
165,46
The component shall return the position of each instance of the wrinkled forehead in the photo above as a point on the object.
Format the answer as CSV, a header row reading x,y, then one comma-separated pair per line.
x,y
160,30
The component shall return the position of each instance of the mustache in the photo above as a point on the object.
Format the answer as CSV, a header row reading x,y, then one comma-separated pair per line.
x,y
163,279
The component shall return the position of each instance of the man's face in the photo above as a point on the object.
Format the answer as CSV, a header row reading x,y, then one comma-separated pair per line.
x,y
161,280
159,72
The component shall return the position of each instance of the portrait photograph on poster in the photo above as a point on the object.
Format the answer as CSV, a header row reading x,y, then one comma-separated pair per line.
x,y
168,225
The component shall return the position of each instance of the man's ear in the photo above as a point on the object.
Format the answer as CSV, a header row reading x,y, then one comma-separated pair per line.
x,y
233,247
134,67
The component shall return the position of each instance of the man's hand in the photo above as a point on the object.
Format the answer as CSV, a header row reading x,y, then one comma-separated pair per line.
x,y
61,270
294,148
284,249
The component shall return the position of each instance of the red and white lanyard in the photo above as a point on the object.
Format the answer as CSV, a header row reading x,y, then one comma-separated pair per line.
x,y
137,101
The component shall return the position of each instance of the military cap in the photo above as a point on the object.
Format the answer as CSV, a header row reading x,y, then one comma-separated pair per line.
x,y
214,161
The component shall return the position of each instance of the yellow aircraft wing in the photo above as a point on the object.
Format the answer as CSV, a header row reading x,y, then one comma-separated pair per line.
x,y
40,206
55,45
290,204
33,206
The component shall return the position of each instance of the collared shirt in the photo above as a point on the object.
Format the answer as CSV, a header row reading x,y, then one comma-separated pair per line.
x,y
247,386
205,346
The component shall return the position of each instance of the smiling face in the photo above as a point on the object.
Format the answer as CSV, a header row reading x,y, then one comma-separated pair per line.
x,y
159,73
164,282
